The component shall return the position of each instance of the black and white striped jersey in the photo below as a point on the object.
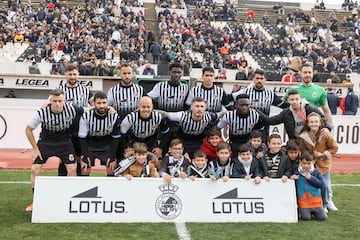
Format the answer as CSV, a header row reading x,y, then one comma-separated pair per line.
x,y
261,99
79,95
215,97
190,128
125,99
240,126
139,129
99,129
169,97
56,126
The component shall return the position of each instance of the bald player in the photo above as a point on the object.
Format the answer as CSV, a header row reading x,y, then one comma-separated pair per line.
x,y
147,126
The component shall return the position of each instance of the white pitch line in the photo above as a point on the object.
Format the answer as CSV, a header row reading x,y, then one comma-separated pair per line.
x,y
14,182
182,231
346,185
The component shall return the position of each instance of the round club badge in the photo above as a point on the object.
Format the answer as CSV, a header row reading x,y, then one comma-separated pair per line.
x,y
168,206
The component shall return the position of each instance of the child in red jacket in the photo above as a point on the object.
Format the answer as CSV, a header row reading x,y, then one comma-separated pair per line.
x,y
210,143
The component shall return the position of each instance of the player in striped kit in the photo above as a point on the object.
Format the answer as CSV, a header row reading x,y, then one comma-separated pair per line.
x,y
147,126
58,122
99,134
75,92
125,96
214,96
240,122
170,96
193,124
79,95
261,98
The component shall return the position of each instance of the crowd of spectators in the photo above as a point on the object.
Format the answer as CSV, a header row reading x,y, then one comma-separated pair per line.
x,y
100,33
93,34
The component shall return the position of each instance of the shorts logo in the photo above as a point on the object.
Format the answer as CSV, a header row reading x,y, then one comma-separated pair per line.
x,y
71,157
168,206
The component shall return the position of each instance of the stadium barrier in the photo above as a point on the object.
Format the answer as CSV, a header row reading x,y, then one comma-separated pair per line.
x,y
103,199
15,114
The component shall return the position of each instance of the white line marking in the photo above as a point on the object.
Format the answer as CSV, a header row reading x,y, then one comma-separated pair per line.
x,y
346,185
14,182
182,231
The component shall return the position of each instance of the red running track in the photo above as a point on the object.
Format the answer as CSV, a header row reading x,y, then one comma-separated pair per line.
x,y
21,159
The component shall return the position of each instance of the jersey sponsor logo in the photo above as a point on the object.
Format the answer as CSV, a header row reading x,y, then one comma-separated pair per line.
x,y
84,83
3,127
230,203
90,202
168,205
32,82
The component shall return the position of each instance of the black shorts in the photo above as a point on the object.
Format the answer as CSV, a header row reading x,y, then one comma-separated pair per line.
x,y
75,141
63,149
99,153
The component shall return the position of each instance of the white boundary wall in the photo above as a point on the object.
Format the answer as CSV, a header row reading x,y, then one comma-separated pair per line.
x,y
101,199
15,114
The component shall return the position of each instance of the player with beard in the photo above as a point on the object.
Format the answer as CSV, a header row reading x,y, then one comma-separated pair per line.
x,y
240,122
193,124
124,97
146,126
311,92
261,98
80,96
75,92
99,134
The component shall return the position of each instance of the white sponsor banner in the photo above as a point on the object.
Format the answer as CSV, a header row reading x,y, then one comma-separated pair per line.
x,y
101,199
42,82
12,134
14,117
346,131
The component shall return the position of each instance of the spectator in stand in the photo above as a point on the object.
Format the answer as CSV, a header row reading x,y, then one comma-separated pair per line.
x,y
148,70
250,16
34,68
351,102
347,80
221,74
196,63
333,100
289,77
334,77
155,51
241,74
278,8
